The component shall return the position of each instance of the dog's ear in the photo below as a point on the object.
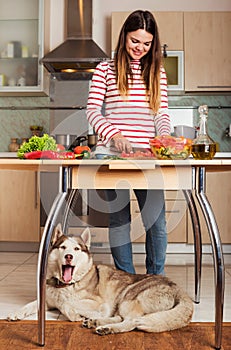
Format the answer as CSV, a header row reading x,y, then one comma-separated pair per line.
x,y
56,234
86,237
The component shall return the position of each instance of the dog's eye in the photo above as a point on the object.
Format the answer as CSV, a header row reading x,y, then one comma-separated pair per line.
x,y
77,248
62,247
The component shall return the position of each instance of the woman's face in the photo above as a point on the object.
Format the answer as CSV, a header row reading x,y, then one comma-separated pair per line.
x,y
138,43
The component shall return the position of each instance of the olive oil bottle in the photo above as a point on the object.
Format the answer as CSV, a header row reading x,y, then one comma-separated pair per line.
x,y
203,147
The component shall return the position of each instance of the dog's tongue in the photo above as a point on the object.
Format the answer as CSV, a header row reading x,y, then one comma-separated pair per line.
x,y
67,274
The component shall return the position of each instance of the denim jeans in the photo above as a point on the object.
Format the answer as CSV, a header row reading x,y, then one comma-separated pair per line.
x,y
152,208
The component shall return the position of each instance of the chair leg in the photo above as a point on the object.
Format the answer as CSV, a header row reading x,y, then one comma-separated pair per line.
x,y
197,241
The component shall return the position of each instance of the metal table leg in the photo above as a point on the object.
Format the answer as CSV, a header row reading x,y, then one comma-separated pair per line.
x,y
72,197
44,251
219,269
197,241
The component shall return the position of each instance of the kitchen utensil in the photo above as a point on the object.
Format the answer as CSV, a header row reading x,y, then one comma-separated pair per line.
x,y
77,142
65,139
186,131
92,140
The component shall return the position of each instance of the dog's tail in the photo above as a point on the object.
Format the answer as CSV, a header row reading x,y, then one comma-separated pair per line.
x,y
177,317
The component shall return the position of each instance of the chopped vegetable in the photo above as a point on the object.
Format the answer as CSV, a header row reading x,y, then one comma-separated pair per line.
x,y
80,149
169,147
49,155
36,143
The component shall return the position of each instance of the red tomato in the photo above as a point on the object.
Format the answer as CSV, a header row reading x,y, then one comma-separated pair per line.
x,y
60,147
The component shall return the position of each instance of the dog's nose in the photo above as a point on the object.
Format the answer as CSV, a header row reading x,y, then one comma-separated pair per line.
x,y
68,256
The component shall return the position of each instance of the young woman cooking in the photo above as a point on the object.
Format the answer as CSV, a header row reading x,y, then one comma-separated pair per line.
x,y
128,106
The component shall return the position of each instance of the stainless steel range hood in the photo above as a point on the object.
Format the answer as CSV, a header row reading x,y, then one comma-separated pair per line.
x,y
78,55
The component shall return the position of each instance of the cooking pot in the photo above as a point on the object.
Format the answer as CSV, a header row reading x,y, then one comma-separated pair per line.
x,y
77,142
92,140
186,131
69,141
64,139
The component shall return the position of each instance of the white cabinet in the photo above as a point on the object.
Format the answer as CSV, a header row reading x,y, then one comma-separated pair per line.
x,y
21,46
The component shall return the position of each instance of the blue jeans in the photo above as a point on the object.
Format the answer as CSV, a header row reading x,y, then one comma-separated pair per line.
x,y
152,208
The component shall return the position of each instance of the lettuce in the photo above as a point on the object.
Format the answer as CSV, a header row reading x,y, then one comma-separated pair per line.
x,y
37,143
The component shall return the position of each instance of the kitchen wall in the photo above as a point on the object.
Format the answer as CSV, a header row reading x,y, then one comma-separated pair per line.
x,y
15,122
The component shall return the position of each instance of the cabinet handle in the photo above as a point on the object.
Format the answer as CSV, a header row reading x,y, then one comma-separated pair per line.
x,y
36,189
214,86
172,211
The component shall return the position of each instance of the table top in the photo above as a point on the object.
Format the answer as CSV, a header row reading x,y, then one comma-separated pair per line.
x,y
13,163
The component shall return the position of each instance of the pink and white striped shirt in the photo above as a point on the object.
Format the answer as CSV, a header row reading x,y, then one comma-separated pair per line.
x,y
109,113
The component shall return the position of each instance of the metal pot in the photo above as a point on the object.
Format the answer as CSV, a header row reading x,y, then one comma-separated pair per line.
x,y
77,142
65,140
185,131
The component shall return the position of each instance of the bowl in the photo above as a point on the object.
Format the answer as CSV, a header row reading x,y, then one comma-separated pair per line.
x,y
170,147
185,131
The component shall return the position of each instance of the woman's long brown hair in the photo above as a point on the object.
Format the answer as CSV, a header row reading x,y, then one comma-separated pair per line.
x,y
150,63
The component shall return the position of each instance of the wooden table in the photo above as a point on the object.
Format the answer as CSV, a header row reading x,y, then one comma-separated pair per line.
x,y
187,175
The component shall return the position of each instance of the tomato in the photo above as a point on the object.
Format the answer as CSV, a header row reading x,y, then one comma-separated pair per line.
x,y
60,147
80,149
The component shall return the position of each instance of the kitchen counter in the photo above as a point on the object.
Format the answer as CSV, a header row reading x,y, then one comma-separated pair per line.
x,y
186,175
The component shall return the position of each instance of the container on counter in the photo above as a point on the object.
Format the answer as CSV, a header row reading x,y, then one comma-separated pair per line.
x,y
203,147
14,146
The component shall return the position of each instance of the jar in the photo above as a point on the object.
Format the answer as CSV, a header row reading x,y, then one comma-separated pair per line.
x,y
14,146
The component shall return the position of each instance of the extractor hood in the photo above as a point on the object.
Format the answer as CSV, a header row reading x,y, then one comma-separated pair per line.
x,y
78,55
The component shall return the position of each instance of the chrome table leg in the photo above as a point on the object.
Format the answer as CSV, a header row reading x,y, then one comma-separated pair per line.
x,y
44,251
72,197
219,269
197,241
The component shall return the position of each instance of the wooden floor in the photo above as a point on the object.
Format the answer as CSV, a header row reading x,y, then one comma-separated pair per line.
x,y
71,336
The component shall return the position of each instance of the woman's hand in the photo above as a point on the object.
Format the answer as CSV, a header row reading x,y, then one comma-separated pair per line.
x,y
121,143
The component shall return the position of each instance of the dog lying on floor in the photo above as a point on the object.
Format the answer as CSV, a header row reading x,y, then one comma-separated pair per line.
x,y
109,300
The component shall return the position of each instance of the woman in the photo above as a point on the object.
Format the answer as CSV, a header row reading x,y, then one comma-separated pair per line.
x,y
128,106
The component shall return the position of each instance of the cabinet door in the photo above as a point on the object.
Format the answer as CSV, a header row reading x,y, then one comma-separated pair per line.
x,y
170,28
21,46
207,51
219,194
19,206
175,219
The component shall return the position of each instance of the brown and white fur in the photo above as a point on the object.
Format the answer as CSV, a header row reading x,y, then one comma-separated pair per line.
x,y
109,300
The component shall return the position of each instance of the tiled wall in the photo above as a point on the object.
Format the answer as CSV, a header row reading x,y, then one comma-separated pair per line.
x,y
219,116
16,123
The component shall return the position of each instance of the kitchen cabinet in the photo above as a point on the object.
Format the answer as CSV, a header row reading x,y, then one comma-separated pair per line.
x,y
219,194
207,51
176,219
170,28
21,47
19,206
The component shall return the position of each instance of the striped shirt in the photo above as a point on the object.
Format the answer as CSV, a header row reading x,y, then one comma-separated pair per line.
x,y
110,113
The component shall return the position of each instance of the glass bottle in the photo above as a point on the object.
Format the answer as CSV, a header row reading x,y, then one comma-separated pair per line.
x,y
203,147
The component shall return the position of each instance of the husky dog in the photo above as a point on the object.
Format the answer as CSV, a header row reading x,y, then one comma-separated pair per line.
x,y
104,298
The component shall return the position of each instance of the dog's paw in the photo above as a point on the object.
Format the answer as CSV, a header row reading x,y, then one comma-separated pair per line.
x,y
103,330
89,323
13,317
